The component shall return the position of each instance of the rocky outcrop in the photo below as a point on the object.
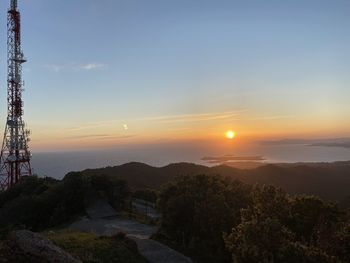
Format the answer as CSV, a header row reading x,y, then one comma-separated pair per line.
x,y
34,245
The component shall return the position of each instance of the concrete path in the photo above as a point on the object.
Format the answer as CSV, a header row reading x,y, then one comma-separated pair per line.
x,y
156,252
114,225
100,208
101,224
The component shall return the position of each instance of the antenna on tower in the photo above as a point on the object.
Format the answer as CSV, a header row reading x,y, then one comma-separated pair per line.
x,y
13,4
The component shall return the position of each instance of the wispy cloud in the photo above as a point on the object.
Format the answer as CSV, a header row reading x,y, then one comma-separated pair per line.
x,y
92,66
75,67
91,125
87,136
275,117
100,136
197,117
52,67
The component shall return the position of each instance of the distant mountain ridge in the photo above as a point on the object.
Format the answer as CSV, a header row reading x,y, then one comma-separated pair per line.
x,y
327,180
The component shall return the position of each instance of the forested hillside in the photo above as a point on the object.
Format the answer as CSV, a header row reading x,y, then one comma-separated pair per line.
x,y
329,181
217,219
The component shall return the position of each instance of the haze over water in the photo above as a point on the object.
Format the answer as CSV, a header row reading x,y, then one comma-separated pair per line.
x,y
58,164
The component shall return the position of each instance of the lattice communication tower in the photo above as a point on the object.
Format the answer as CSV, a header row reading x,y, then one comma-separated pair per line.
x,y
15,154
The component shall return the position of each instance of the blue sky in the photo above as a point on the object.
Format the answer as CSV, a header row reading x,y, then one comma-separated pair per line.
x,y
181,69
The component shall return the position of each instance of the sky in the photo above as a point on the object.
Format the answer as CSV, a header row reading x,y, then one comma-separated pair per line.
x,y
113,73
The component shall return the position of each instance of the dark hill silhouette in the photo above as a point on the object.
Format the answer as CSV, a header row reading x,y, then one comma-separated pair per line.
x,y
327,180
331,182
141,176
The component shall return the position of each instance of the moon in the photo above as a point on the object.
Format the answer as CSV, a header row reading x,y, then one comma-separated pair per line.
x,y
230,135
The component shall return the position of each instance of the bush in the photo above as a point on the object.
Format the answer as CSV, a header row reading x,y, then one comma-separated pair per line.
x,y
214,219
279,228
147,195
197,210
39,203
89,247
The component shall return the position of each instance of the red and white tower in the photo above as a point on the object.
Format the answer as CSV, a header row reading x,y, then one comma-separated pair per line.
x,y
15,155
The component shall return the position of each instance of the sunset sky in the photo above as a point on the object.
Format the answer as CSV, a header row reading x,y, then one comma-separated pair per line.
x,y
106,73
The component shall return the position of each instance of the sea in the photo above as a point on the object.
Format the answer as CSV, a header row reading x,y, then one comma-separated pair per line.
x,y
58,164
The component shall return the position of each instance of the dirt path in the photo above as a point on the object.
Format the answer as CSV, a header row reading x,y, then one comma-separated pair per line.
x,y
152,250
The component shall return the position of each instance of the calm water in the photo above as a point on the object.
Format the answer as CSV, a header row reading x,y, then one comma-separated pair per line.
x,y
58,164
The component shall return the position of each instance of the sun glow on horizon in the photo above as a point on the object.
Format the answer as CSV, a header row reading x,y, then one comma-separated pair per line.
x,y
230,135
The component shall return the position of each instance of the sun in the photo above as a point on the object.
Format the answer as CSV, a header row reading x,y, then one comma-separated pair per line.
x,y
230,135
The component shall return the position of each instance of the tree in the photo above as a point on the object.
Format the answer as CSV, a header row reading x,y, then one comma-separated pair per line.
x,y
39,203
197,210
116,190
279,228
313,219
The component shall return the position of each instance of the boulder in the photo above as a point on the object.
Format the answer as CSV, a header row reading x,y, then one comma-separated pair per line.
x,y
35,245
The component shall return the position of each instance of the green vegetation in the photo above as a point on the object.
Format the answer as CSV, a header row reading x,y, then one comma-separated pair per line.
x,y
87,247
147,195
327,180
39,203
280,228
216,219
115,190
8,255
210,218
197,210
90,248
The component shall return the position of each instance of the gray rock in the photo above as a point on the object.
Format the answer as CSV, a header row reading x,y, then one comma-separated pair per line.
x,y
35,245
